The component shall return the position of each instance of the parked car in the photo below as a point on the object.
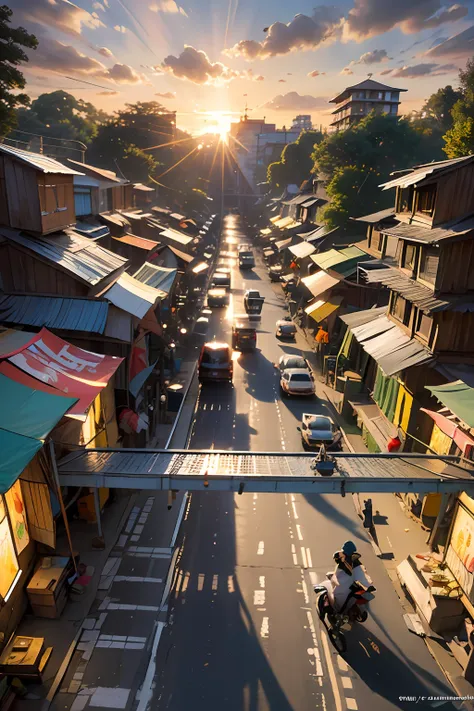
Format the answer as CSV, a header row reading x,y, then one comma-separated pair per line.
x,y
317,430
221,280
288,361
297,381
275,273
285,328
244,335
215,363
217,298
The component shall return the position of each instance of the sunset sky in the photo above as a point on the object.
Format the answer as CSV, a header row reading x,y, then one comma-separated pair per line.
x,y
213,56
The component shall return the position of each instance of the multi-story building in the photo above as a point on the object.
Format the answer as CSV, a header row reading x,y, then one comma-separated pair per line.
x,y
302,122
359,100
244,145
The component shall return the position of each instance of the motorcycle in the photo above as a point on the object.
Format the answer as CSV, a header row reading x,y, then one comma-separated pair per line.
x,y
353,610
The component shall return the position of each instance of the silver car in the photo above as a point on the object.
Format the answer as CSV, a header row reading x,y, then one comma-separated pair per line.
x,y
297,381
319,429
288,361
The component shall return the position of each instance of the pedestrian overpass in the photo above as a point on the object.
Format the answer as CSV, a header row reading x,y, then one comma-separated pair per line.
x,y
265,472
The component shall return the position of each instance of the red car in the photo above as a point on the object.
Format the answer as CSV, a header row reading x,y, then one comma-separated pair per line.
x,y
215,363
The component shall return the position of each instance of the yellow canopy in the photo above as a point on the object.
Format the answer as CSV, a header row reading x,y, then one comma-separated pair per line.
x,y
319,310
266,231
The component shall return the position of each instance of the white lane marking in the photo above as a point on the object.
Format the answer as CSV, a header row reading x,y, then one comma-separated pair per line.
x,y
215,582
351,704
298,531
146,690
314,650
185,583
295,514
259,597
265,628
332,673
230,584
346,682
303,556
261,580
389,542
293,497
305,591
200,581
293,552
261,548
342,664
255,497
310,560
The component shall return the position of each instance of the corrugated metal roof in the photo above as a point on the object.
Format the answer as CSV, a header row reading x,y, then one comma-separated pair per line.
x,y
57,312
316,234
143,188
343,261
283,243
358,318
174,236
116,219
38,161
134,241
188,258
302,250
73,252
320,309
298,200
319,283
132,295
423,234
91,230
283,222
421,172
161,210
418,294
312,201
375,217
100,172
158,277
391,347
458,397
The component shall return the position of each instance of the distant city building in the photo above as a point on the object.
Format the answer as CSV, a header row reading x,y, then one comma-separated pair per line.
x,y
359,100
244,143
302,122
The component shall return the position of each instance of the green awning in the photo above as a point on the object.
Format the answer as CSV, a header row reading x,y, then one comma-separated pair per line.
x,y
459,397
343,261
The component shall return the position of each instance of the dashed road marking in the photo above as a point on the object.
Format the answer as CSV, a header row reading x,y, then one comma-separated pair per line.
x,y
351,704
215,582
303,556
293,552
310,560
230,584
298,531
200,584
261,548
295,514
346,682
259,597
332,674
314,650
265,628
261,581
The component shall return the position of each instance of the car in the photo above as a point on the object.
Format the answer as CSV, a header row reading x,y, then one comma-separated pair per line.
x,y
317,430
251,294
285,328
217,298
275,273
297,381
215,363
253,303
244,335
293,361
221,280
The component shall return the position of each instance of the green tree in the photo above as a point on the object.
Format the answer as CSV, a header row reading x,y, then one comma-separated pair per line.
x,y
459,139
295,163
135,164
437,109
357,160
11,56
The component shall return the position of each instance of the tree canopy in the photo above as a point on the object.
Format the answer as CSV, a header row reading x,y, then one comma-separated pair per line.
x,y
11,78
459,139
354,162
295,163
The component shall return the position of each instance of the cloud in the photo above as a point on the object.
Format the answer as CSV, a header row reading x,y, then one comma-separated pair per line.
x,y
166,94
107,93
374,57
315,73
293,100
303,32
124,74
347,71
120,28
168,6
105,52
57,57
259,77
98,6
374,17
194,65
423,70
461,45
61,15
282,81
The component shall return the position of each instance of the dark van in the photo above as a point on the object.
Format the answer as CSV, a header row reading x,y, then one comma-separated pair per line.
x,y
215,363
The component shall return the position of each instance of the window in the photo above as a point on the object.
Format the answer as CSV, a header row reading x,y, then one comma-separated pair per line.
x,y
404,199
393,109
409,257
426,200
400,309
429,263
380,95
82,201
386,108
423,325
388,96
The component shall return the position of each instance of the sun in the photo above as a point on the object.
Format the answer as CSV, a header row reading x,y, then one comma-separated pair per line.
x,y
218,122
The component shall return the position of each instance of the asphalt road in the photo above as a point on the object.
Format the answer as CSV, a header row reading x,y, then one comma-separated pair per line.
x,y
243,634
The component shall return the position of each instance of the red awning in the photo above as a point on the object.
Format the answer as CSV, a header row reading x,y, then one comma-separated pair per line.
x,y
72,370
451,429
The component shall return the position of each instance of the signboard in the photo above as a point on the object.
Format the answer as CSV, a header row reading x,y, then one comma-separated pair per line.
x,y
8,561
17,514
460,553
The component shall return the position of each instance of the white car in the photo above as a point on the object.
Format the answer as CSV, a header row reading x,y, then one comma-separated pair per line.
x,y
288,361
319,429
297,381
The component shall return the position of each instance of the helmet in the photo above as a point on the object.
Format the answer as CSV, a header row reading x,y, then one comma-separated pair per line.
x,y
349,548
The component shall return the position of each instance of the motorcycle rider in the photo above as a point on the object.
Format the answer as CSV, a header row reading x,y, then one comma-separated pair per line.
x,y
349,570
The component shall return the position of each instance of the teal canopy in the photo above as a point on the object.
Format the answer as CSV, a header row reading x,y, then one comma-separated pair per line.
x,y
459,397
27,416
30,412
